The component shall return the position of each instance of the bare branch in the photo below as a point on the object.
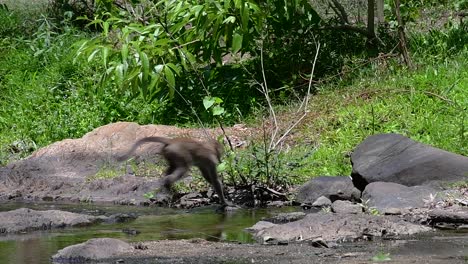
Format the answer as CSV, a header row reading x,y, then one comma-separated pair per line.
x,y
340,11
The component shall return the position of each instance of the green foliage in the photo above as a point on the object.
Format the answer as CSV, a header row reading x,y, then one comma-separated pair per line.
x,y
381,256
9,21
441,43
147,58
106,172
278,169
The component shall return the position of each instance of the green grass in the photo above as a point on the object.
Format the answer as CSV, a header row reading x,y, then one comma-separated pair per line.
x,y
428,105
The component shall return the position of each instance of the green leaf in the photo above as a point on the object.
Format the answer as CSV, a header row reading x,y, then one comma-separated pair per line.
x,y
218,100
169,77
230,19
236,42
91,57
208,102
218,110
105,55
158,68
221,167
174,68
245,15
119,73
124,52
105,27
144,65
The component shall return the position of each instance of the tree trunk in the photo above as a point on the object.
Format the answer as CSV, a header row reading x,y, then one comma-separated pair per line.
x,y
370,20
380,11
402,36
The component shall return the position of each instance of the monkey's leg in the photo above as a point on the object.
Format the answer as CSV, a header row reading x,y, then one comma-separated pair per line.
x,y
210,175
176,175
174,172
178,167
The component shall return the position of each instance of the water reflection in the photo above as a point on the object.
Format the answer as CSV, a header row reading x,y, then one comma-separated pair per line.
x,y
153,224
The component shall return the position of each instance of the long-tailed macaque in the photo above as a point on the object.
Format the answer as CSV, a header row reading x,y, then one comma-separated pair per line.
x,y
181,154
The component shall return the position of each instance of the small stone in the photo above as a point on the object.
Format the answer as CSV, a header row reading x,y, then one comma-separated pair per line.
x,y
322,201
348,207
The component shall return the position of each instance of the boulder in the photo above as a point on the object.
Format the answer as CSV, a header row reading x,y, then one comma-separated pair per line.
x,y
92,250
388,196
336,227
396,158
25,220
66,170
333,188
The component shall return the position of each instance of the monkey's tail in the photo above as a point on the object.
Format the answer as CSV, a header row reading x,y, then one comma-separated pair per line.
x,y
163,140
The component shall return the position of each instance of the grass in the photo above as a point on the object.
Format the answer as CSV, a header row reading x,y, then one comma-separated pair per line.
x,y
427,105
46,96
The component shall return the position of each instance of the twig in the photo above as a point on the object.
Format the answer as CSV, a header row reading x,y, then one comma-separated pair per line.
x,y
264,87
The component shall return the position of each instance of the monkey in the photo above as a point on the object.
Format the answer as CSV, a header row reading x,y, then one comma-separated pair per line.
x,y
181,154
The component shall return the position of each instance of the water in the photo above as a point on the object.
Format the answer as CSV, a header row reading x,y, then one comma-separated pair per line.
x,y
153,224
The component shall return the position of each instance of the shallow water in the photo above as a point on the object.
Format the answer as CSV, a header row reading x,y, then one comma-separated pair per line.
x,y
152,224
155,223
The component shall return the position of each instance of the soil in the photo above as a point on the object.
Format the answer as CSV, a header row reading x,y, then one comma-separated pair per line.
x,y
201,251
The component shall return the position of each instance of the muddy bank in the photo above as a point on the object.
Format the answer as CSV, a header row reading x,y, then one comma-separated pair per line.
x,y
450,249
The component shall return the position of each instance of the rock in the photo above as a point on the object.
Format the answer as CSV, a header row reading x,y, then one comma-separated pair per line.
x,y
65,170
322,201
25,220
396,158
392,211
333,188
119,218
131,231
260,225
278,203
92,250
446,216
386,195
346,207
337,228
192,200
286,217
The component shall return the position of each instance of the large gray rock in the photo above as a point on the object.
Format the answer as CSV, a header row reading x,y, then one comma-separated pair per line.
x,y
389,195
25,220
396,158
92,250
333,188
331,227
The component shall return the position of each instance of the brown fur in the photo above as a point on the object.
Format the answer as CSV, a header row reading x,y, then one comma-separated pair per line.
x,y
181,154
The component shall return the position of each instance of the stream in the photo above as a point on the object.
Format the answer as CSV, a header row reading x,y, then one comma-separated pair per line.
x,y
153,223
156,223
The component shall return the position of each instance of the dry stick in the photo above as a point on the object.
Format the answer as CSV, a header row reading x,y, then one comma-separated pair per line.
x,y
264,87
306,104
